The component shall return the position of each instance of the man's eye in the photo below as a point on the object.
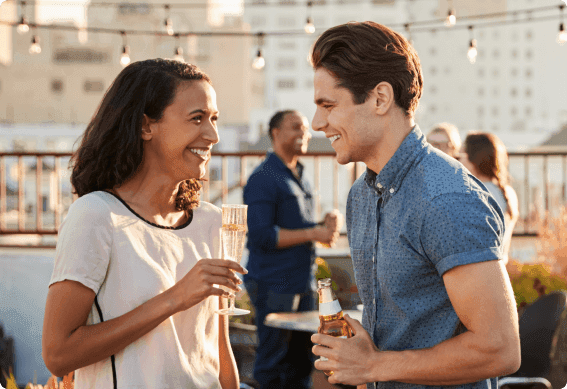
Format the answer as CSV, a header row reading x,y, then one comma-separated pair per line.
x,y
327,106
198,118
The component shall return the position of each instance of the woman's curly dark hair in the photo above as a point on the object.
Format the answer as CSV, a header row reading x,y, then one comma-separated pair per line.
x,y
111,148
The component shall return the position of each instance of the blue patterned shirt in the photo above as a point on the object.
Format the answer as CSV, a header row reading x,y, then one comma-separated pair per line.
x,y
423,215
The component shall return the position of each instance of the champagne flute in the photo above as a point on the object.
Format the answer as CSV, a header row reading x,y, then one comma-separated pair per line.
x,y
233,235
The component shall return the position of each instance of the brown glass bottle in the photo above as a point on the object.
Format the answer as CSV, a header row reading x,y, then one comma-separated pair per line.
x,y
331,320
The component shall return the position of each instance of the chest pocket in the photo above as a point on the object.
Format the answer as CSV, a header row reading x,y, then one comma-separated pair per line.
x,y
295,202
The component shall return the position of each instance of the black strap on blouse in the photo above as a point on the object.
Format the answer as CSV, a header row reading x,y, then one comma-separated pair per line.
x,y
112,360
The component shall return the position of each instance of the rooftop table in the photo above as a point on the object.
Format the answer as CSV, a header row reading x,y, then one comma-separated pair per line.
x,y
302,321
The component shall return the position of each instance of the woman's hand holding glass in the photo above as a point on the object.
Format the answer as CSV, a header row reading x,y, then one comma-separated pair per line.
x,y
197,285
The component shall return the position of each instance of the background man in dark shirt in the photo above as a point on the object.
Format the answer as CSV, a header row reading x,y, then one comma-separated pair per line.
x,y
281,233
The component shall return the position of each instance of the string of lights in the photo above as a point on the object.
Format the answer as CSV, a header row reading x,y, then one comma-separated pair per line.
x,y
23,26
256,3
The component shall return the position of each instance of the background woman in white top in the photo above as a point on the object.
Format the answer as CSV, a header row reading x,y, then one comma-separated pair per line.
x,y
485,156
131,300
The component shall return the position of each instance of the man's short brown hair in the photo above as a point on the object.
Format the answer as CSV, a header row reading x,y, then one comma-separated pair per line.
x,y
363,54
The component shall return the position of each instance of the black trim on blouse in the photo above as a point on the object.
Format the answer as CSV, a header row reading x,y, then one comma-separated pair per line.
x,y
189,216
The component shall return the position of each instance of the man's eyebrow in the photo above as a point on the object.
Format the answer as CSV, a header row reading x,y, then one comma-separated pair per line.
x,y
323,100
202,111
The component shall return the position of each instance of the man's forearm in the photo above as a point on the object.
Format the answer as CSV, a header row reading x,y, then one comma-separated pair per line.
x,y
463,359
289,238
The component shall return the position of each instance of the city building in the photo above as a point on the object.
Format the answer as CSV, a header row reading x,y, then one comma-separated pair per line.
x,y
65,82
515,88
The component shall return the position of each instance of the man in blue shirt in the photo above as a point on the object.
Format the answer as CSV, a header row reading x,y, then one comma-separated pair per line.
x,y
425,234
281,233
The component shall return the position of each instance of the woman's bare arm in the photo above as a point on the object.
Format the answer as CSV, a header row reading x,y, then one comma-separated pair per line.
x,y
68,343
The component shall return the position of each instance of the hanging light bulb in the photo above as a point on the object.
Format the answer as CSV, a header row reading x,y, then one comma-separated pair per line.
x,y
23,26
562,35
309,26
471,54
35,48
451,19
179,54
125,57
259,62
82,35
168,23
168,26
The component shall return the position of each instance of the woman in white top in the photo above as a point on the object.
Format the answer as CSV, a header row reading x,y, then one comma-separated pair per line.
x,y
485,156
131,300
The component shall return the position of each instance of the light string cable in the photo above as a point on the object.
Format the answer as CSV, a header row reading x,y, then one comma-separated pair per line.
x,y
417,26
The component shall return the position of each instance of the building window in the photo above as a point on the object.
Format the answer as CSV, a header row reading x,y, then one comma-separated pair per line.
x,y
528,111
481,72
432,108
287,45
495,91
513,111
495,127
514,72
529,73
481,91
495,72
480,111
287,2
515,53
528,92
513,92
529,35
286,84
134,9
529,54
57,86
257,21
286,21
496,53
433,51
433,70
93,86
495,111
286,63
433,89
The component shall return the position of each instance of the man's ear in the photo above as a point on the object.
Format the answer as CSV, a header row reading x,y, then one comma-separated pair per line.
x,y
148,128
382,97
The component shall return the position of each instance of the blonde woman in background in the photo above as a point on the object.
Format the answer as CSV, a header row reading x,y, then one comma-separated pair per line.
x,y
485,156
445,137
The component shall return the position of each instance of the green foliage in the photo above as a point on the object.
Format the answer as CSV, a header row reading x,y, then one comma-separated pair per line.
x,y
523,277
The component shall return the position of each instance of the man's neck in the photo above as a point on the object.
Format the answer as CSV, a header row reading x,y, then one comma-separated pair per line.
x,y
290,160
393,138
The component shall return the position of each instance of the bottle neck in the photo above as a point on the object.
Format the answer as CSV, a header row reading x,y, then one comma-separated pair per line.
x,y
326,295
328,303
336,316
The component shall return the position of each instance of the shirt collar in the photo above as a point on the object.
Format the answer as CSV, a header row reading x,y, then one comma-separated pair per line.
x,y
392,175
276,161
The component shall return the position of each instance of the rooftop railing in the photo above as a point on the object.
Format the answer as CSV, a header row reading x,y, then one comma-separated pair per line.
x,y
35,189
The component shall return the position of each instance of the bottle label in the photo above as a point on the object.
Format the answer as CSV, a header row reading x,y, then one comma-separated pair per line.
x,y
326,359
331,308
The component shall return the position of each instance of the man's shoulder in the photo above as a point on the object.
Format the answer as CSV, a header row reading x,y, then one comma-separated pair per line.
x,y
437,174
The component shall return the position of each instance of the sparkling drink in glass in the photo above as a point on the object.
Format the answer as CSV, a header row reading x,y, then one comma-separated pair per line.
x,y
233,237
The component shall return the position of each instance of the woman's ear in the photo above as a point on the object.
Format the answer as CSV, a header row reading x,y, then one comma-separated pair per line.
x,y
147,128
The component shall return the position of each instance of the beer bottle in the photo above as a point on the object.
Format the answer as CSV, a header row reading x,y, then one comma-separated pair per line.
x,y
331,320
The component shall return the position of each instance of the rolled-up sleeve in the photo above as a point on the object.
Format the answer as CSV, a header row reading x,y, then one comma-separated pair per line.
x,y
260,196
459,229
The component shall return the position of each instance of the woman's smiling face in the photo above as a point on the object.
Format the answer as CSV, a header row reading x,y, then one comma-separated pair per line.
x,y
181,141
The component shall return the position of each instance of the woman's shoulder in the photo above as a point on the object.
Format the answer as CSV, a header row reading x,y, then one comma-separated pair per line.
x,y
94,202
207,210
